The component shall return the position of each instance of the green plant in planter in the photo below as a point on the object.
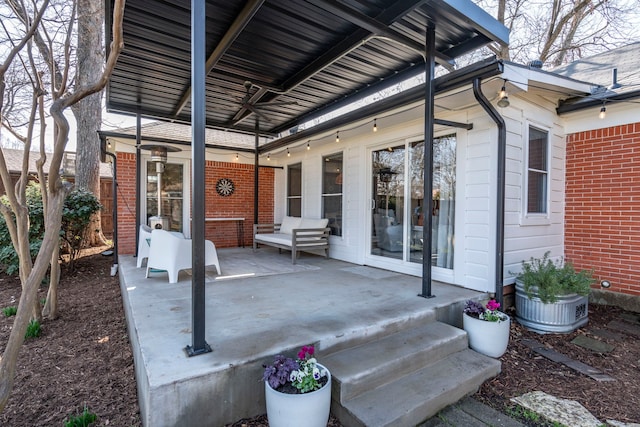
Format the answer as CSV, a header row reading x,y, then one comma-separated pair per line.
x,y
549,280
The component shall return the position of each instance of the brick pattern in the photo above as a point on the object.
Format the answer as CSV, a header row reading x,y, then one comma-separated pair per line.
x,y
237,205
602,218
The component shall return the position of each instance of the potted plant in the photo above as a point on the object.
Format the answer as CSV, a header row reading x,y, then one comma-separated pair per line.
x,y
487,328
297,392
552,296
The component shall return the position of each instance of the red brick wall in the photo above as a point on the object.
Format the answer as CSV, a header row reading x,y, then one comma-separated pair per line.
x,y
238,205
602,222
126,181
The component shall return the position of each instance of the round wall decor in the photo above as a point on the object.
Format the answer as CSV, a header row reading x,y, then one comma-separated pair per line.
x,y
225,187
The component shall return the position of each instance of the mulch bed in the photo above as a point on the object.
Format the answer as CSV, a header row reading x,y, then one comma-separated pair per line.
x,y
523,370
83,358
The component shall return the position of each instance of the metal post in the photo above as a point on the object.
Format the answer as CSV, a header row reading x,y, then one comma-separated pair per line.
x,y
256,173
198,116
427,208
138,166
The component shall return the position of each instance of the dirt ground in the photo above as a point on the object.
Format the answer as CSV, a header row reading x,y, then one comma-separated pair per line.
x,y
83,358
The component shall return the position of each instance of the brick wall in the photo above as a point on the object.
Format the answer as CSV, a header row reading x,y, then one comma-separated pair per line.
x,y
239,204
602,221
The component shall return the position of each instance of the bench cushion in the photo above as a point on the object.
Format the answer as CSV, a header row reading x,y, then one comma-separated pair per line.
x,y
289,223
278,238
313,223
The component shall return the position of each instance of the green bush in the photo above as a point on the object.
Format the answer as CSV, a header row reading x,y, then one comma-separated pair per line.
x,y
8,256
10,311
79,206
83,420
33,330
548,280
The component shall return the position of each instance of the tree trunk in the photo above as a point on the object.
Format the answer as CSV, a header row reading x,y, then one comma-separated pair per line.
x,y
88,112
50,309
29,297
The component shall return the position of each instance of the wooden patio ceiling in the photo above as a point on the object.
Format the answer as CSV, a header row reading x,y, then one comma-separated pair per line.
x,y
283,61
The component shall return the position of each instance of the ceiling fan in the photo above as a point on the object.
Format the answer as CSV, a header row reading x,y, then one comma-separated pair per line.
x,y
249,103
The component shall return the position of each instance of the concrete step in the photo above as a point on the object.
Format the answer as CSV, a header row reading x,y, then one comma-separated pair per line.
x,y
376,330
375,363
412,399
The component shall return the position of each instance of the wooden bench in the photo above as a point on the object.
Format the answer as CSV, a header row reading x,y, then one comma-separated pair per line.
x,y
294,234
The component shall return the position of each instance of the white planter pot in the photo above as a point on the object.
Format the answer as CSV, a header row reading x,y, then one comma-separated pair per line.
x,y
563,316
488,338
295,410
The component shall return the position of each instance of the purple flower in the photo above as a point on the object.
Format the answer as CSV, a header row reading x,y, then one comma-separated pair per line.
x,y
473,308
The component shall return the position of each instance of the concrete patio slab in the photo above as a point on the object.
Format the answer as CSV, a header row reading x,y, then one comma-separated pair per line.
x,y
262,305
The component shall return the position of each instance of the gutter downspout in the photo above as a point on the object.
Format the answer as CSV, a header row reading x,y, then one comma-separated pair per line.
x,y
114,267
502,143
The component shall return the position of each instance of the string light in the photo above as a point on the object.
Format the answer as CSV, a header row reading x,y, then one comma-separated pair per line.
x,y
308,146
375,125
603,112
337,136
269,156
288,153
504,99
237,158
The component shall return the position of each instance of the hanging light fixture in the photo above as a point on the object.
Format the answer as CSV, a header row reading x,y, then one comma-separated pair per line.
x,y
603,112
503,100
375,125
308,146
288,153
337,136
237,158
269,156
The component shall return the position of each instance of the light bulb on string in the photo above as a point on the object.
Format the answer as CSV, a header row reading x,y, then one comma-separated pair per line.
x,y
503,99
603,112
308,146
337,136
375,125
288,153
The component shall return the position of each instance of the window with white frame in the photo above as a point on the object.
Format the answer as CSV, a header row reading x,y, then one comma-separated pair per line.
x,y
537,171
332,192
294,190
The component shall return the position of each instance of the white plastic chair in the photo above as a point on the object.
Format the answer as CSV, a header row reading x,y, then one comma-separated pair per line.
x,y
171,253
143,244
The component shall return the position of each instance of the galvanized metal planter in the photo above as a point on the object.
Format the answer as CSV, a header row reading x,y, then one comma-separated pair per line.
x,y
567,314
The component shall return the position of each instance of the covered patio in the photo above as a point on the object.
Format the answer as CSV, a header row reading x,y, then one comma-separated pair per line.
x,y
263,305
269,68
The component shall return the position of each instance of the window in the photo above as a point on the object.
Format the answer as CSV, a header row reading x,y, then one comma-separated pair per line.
x,y
294,190
332,192
537,171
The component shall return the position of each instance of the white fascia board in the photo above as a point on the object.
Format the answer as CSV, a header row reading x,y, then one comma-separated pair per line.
x,y
522,77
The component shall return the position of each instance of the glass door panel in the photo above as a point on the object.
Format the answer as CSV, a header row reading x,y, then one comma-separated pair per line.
x,y
416,194
387,222
444,201
171,194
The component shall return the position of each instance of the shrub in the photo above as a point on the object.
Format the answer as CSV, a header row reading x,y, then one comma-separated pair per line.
x,y
8,256
10,311
33,330
85,419
549,280
79,206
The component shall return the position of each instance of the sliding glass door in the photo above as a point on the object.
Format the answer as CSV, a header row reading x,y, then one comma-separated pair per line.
x,y
398,202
